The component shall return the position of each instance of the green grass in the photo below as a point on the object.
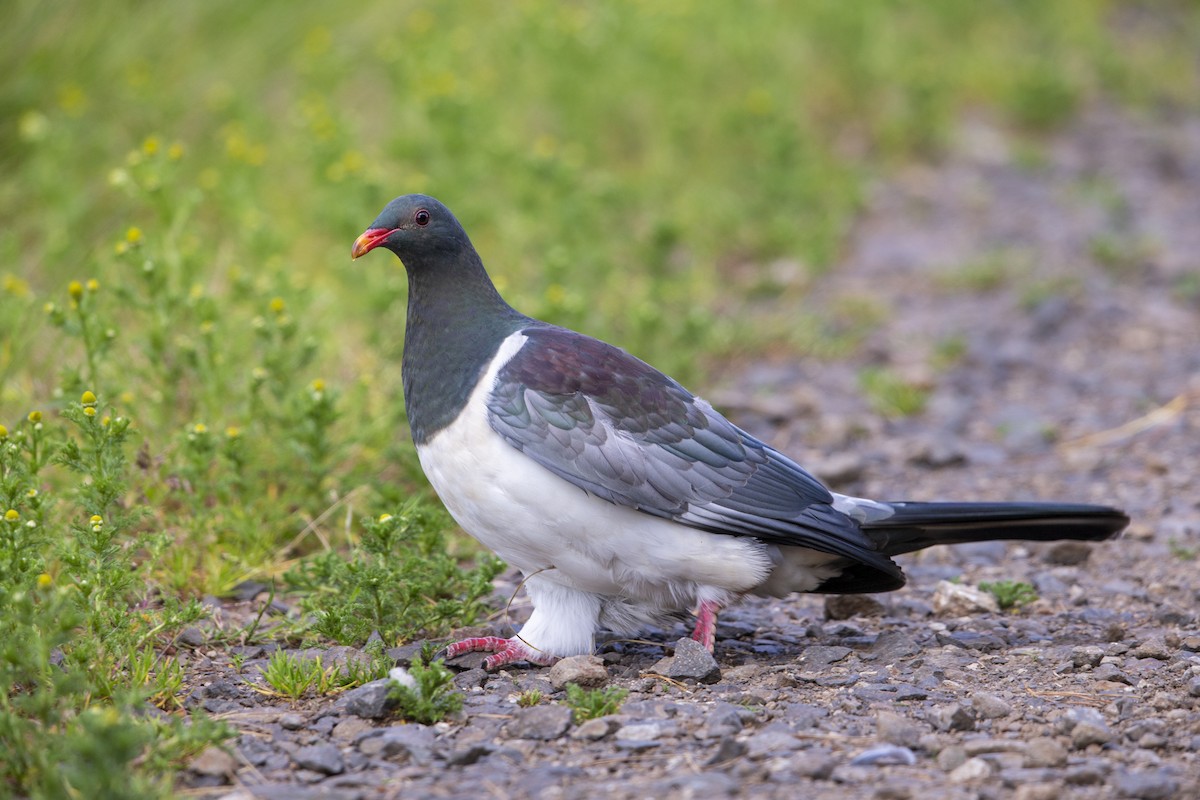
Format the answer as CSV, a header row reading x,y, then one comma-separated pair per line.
x,y
594,703
425,693
1010,594
293,675
180,185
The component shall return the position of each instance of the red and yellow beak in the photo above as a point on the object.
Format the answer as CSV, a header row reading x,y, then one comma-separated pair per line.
x,y
371,238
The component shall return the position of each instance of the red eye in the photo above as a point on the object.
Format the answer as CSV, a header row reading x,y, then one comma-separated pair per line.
x,y
421,217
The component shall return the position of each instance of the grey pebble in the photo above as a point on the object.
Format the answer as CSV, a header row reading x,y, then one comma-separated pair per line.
x,y
640,731
323,758
595,729
1146,785
539,722
369,700
953,717
973,769
728,750
989,706
693,661
773,740
291,721
951,758
1109,672
586,671
897,730
413,742
1045,752
256,751
470,679
819,657
887,754
724,719
891,646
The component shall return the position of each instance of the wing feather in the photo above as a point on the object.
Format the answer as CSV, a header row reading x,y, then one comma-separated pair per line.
x,y
618,428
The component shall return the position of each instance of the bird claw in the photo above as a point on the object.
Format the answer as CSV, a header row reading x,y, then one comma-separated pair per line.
x,y
505,651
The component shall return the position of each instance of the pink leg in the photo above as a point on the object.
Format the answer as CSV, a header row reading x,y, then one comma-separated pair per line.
x,y
507,651
706,624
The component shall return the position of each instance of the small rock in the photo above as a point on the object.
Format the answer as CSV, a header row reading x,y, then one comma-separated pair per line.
x,y
1109,672
1194,687
989,706
586,671
191,637
960,600
891,646
1045,752
815,764
640,732
405,654
818,657
369,700
412,742
1089,732
897,730
539,722
692,660
1086,656
323,758
1068,554
471,679
973,769
594,729
254,750
728,750
213,762
887,754
951,758
953,717
350,729
840,468
724,719
291,721
1038,791
845,606
1152,648
1146,785
774,740
1085,775
467,755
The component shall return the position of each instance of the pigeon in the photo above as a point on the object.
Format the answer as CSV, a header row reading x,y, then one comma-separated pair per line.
x,y
625,500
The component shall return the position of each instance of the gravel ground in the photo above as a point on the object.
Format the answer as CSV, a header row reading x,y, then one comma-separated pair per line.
x,y
1049,299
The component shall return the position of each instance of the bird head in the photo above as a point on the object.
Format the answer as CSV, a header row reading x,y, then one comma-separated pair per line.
x,y
412,226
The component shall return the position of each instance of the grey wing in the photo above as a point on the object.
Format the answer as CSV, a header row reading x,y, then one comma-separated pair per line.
x,y
626,433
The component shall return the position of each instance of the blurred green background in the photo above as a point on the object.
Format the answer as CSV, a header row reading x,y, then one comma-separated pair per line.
x,y
625,167
197,386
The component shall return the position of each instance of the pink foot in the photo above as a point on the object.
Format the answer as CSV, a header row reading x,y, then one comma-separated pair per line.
x,y
507,651
706,624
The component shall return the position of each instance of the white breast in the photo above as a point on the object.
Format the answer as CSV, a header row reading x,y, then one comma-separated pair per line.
x,y
535,520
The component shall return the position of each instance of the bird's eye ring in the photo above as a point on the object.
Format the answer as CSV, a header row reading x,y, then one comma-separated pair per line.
x,y
421,217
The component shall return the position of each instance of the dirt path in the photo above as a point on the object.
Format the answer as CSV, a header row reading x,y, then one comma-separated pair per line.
x,y
1048,300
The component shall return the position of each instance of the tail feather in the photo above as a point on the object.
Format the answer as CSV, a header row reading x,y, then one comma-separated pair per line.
x,y
915,526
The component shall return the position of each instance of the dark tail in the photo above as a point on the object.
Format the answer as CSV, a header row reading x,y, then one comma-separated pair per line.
x,y
915,526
